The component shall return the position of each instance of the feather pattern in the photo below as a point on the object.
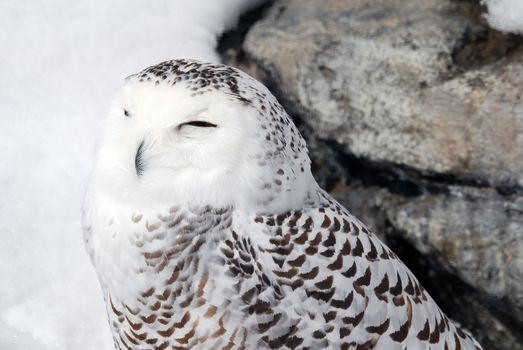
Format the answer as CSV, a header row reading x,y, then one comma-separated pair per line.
x,y
261,258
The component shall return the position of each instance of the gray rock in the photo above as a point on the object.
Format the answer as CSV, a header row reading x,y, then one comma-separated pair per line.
x,y
369,204
400,82
478,233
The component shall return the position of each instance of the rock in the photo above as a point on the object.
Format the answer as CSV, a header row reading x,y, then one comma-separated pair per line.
x,y
477,232
418,83
369,204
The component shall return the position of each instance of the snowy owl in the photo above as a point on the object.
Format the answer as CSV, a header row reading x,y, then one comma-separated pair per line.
x,y
208,230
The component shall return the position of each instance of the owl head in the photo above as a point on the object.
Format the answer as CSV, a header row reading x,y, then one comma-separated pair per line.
x,y
190,133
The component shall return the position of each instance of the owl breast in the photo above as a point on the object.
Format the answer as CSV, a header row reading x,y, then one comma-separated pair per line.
x,y
167,280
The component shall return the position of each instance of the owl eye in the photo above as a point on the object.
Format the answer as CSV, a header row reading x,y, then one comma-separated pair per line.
x,y
199,124
126,113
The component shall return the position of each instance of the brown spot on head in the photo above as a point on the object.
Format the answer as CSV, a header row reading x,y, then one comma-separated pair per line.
x,y
151,227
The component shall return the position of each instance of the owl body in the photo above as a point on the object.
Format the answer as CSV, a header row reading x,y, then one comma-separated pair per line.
x,y
208,230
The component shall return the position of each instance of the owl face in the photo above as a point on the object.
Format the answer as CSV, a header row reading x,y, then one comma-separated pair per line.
x,y
196,134
175,132
164,139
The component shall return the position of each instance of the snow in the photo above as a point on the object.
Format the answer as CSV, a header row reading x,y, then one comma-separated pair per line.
x,y
62,62
505,15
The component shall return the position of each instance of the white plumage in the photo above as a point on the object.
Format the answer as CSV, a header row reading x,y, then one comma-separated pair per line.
x,y
208,230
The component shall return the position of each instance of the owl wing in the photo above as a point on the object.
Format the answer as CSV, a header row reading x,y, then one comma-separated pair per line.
x,y
334,284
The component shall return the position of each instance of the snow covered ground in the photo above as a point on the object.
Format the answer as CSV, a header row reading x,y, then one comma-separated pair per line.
x,y
505,15
61,63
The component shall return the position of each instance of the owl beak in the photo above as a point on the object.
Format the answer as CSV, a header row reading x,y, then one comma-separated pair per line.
x,y
138,160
